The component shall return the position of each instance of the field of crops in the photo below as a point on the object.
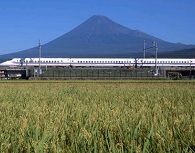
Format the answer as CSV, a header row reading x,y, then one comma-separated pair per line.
x,y
97,116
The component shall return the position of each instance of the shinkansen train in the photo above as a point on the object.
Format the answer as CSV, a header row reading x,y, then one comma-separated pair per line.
x,y
99,62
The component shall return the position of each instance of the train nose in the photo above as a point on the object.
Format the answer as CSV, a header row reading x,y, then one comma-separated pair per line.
x,y
4,64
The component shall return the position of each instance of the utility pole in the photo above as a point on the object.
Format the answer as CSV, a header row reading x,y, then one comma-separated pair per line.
x,y
156,49
154,45
144,55
39,71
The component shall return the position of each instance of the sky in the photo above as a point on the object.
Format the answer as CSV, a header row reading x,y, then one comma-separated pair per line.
x,y
24,22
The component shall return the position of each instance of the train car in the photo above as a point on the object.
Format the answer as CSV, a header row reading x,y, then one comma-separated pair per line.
x,y
165,62
102,62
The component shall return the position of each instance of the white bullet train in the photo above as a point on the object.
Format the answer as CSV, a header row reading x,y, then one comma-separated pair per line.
x,y
98,62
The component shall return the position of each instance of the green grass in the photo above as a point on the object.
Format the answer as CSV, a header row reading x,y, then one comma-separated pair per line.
x,y
97,116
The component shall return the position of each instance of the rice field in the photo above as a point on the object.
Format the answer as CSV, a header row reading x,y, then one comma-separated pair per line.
x,y
97,116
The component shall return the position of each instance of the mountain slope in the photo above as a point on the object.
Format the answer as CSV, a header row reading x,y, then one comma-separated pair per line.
x,y
98,37
184,53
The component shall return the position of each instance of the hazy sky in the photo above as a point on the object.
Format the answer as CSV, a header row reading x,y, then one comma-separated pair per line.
x,y
24,22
